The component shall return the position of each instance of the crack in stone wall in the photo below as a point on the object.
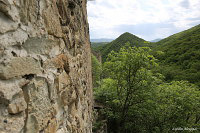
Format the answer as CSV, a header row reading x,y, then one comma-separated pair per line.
x,y
45,67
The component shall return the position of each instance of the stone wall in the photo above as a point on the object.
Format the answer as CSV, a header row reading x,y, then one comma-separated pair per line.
x,y
45,67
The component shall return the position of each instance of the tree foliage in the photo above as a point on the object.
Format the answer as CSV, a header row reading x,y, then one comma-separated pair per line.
x,y
129,81
137,99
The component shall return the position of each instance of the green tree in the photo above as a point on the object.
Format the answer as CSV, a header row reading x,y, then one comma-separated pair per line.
x,y
177,105
137,100
130,76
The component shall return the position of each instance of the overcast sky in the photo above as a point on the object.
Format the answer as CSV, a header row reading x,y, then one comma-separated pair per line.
x,y
148,19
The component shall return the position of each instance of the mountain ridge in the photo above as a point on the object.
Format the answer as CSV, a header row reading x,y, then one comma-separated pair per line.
x,y
116,44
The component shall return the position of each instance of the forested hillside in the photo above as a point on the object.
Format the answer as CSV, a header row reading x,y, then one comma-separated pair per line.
x,y
179,56
96,46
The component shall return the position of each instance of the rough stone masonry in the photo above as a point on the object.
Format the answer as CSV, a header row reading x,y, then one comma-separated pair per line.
x,y
45,67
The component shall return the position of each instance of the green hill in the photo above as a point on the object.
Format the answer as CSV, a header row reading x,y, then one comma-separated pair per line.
x,y
116,44
179,55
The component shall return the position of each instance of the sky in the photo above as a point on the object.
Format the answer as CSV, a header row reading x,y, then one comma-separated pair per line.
x,y
148,19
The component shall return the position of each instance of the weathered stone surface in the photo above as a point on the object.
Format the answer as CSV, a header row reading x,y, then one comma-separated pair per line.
x,y
13,38
51,19
7,24
41,46
9,89
11,123
8,7
18,106
45,67
37,96
18,67
8,16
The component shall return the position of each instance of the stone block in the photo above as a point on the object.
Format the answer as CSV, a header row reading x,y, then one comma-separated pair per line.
x,y
9,89
19,66
7,24
17,106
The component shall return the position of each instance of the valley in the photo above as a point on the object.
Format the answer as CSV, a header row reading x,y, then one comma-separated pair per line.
x,y
147,86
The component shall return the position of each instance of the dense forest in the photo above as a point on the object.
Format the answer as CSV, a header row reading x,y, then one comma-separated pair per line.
x,y
179,56
149,87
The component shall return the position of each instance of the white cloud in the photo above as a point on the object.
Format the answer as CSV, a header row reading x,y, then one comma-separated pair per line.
x,y
105,15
